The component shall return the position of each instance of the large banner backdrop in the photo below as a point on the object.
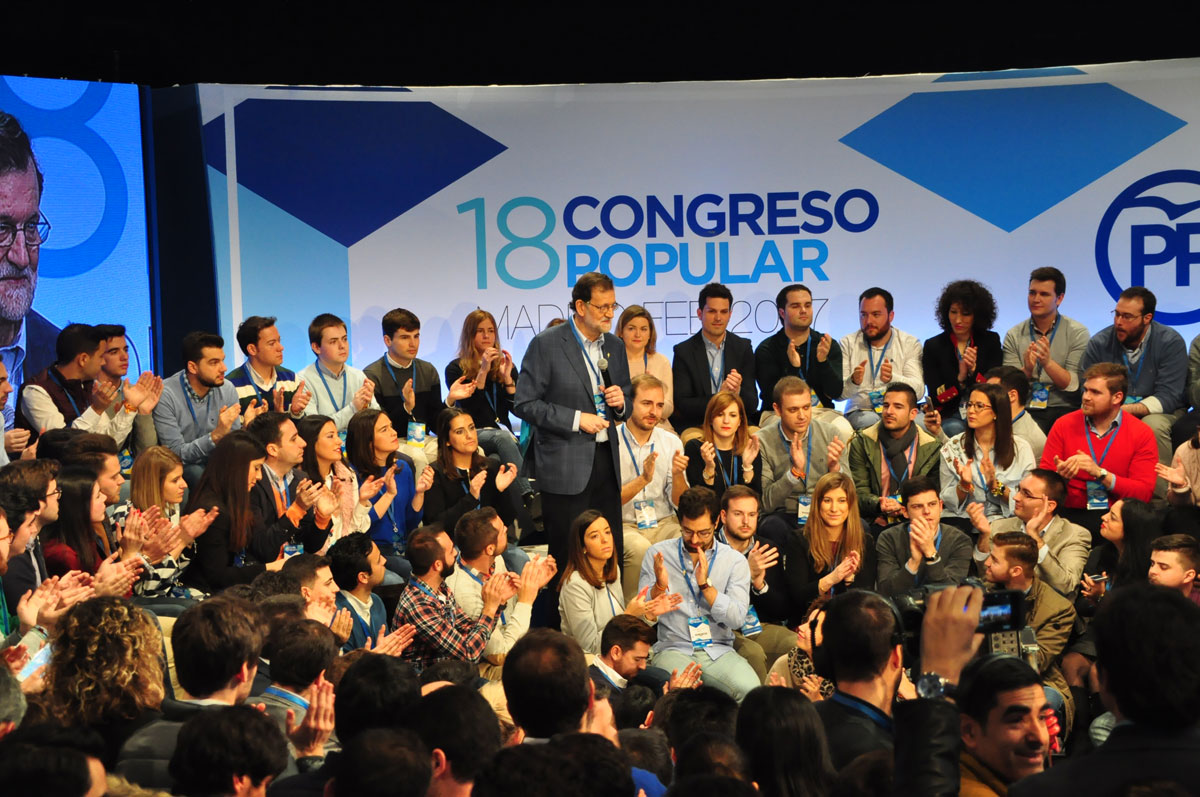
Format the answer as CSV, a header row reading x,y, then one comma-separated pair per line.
x,y
355,201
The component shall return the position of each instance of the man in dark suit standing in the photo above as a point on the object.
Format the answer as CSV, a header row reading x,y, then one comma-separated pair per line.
x,y
712,360
562,393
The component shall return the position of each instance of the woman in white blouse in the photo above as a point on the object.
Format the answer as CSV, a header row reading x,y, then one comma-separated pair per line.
x,y
985,463
590,588
636,329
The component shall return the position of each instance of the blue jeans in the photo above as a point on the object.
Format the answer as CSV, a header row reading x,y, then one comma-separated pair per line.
x,y
515,559
501,443
732,674
398,568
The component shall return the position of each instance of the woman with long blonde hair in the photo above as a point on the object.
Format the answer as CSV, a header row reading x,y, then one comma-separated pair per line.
x,y
481,359
157,480
831,552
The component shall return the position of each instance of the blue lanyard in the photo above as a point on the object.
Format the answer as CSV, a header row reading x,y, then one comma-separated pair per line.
x,y
66,392
611,604
909,456
257,391
1087,433
395,381
464,483
295,700
687,576
981,482
645,362
419,584
807,355
787,444
735,460
187,396
479,581
283,489
716,380
866,709
345,381
875,369
370,635
1141,364
1019,416
1053,330
629,446
586,357
957,354
493,398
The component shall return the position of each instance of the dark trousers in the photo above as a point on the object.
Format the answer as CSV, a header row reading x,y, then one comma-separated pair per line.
x,y
1088,518
1046,418
603,493
1184,429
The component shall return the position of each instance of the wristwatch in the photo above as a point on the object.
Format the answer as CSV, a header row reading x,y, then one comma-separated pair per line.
x,y
1102,477
932,686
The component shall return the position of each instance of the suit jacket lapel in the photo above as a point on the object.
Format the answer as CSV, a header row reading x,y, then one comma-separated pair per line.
x,y
575,356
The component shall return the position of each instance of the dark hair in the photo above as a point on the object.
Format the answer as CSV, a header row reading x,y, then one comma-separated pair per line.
x,y
781,298
635,311
395,320
445,456
1149,301
300,652
316,329
698,502
389,762
587,284
647,749
705,708
1050,274
971,297
425,549
45,770
711,753
1005,447
194,344
74,525
360,444
81,445
212,640
77,339
1055,485
16,151
530,770
274,583
788,385
110,331
860,632
735,492
1019,548
18,499
546,683
304,567
348,557
224,484
268,427
1147,645
1011,379
624,631
632,706
474,532
906,389
249,331
376,692
918,484
54,443
1142,525
1115,376
986,677
218,744
595,766
577,561
1183,544
714,290
310,427
458,721
871,293
785,741
455,671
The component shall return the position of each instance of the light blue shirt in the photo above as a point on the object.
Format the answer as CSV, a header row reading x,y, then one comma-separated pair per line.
x,y
13,357
184,425
328,392
729,575
716,361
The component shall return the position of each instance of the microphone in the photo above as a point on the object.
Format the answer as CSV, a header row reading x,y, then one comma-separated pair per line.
x,y
603,365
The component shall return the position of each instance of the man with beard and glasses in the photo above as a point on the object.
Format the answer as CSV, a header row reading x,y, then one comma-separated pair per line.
x,y
198,407
874,356
714,581
26,338
445,631
1155,357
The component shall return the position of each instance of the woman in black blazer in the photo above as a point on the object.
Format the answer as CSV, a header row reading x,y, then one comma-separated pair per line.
x,y
965,351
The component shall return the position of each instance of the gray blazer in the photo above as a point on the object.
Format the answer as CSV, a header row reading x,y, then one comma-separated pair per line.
x,y
780,487
555,382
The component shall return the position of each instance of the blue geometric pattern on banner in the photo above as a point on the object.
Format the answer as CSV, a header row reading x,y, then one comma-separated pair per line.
x,y
348,168
1009,74
336,88
214,143
1008,155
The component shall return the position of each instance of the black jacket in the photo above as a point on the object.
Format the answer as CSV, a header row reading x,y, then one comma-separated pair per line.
x,y
446,501
939,363
802,576
771,364
850,732
928,737
693,381
389,392
479,403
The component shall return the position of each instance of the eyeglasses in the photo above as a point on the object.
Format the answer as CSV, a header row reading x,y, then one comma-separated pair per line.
x,y
36,233
53,493
701,534
604,309
1021,491
1118,315
978,405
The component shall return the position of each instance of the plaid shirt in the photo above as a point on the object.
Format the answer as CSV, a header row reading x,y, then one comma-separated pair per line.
x,y
444,631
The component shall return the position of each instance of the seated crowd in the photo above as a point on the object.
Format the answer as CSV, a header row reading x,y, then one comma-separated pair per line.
x,y
787,602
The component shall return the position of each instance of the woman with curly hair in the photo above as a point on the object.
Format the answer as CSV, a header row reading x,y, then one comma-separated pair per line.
x,y
963,353
106,671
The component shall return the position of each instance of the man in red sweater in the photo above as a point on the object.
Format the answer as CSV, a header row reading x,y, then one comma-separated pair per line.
x,y
1103,453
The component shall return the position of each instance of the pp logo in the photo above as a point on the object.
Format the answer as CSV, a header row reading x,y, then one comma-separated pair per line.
x,y
1150,235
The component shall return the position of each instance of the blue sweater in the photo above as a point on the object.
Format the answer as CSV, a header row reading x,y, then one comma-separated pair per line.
x,y
1160,372
406,518
359,637
183,424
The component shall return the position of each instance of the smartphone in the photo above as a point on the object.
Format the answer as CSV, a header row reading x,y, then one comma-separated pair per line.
x,y
1098,579
1003,610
